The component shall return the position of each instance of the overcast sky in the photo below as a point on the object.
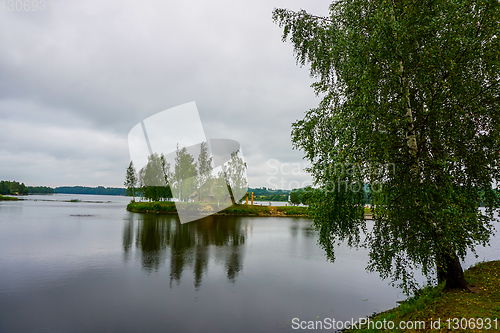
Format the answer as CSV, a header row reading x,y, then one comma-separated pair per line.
x,y
75,79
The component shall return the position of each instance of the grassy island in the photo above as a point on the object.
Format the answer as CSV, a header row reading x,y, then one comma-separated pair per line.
x,y
7,198
480,306
165,207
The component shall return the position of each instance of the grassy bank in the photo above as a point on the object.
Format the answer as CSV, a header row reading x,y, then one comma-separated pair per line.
x,y
239,210
481,307
7,198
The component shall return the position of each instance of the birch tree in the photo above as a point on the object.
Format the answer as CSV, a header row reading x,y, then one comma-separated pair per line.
x,y
130,180
411,106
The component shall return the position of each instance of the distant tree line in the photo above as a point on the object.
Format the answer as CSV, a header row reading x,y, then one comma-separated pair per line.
x,y
305,195
99,190
16,188
264,191
272,197
268,194
40,190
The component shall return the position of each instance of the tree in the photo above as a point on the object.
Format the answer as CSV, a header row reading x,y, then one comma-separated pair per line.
x,y
204,172
235,173
140,182
130,180
184,174
168,176
13,187
220,188
295,198
306,195
154,179
411,107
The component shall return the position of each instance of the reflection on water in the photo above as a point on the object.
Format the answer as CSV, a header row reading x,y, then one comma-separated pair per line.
x,y
186,246
94,267
307,230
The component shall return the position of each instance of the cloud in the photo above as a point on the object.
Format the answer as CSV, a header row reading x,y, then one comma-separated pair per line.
x,y
74,80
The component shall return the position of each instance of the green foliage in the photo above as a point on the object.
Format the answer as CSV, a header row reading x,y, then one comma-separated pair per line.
x,y
99,190
40,190
268,194
270,197
302,195
164,207
247,210
432,303
185,174
152,207
291,210
204,172
130,179
236,179
264,191
154,179
295,197
4,198
219,187
13,187
411,107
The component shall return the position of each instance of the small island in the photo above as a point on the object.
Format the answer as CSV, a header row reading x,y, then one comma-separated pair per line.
x,y
168,207
4,198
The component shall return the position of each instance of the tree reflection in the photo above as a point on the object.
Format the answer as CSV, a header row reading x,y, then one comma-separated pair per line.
x,y
128,237
188,246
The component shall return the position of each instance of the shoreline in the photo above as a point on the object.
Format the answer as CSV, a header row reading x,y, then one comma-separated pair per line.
x,y
166,207
435,308
4,198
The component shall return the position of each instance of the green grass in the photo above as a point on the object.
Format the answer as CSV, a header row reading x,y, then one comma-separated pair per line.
x,y
432,303
293,210
4,198
246,210
162,207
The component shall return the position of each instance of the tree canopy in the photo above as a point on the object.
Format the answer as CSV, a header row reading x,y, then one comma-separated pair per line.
x,y
13,187
130,180
410,106
301,195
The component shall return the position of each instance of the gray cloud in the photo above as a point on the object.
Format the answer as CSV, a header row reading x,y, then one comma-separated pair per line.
x,y
76,79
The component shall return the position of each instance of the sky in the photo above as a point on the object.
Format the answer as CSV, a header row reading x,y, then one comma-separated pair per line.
x,y
77,77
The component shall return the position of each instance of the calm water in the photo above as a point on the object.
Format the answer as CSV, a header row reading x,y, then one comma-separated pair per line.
x,y
91,266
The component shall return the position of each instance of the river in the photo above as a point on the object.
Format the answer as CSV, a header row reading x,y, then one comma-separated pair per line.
x,y
91,266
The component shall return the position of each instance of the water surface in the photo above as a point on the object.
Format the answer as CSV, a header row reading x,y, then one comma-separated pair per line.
x,y
93,266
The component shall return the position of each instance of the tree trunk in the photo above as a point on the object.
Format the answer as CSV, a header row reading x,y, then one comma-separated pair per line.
x,y
228,186
450,270
231,195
